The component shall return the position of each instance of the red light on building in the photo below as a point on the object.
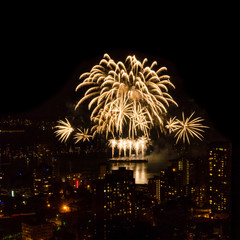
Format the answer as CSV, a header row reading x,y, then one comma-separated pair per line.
x,y
77,183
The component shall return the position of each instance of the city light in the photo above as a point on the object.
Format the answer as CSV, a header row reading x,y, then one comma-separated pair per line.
x,y
62,190
65,208
12,193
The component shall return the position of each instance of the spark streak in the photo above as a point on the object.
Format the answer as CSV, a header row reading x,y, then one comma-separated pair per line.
x,y
64,130
127,99
186,127
82,135
127,144
126,95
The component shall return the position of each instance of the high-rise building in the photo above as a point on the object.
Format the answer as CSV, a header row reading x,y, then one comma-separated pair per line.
x,y
163,187
74,179
199,195
158,187
36,231
155,189
103,169
199,176
114,202
219,177
178,176
55,170
43,182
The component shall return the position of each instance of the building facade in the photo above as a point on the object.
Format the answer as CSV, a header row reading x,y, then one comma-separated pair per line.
x,y
219,160
114,204
43,182
37,231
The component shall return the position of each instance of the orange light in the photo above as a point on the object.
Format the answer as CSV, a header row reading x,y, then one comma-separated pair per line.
x,y
65,208
174,169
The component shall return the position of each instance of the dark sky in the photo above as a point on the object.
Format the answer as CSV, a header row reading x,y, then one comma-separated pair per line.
x,y
44,50
44,55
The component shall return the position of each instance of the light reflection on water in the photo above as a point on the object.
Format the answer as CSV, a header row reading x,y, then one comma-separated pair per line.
x,y
140,170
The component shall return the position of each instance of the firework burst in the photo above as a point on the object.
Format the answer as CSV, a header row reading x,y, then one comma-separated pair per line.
x,y
172,124
64,130
117,90
127,99
82,135
186,127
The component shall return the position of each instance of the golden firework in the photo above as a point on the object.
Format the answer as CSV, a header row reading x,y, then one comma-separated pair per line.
x,y
128,94
127,99
186,127
64,130
82,135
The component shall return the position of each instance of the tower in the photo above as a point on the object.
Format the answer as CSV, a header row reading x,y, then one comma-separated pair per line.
x,y
219,160
179,175
114,202
43,182
155,189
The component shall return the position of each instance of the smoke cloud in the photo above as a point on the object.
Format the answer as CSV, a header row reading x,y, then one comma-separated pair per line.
x,y
158,158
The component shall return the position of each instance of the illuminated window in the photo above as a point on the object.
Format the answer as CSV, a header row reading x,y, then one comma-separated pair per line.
x,y
180,165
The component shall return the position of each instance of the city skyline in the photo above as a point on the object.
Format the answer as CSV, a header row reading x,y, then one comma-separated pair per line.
x,y
183,175
61,180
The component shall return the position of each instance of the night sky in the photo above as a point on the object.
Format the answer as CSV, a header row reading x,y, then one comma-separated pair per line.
x,y
44,54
